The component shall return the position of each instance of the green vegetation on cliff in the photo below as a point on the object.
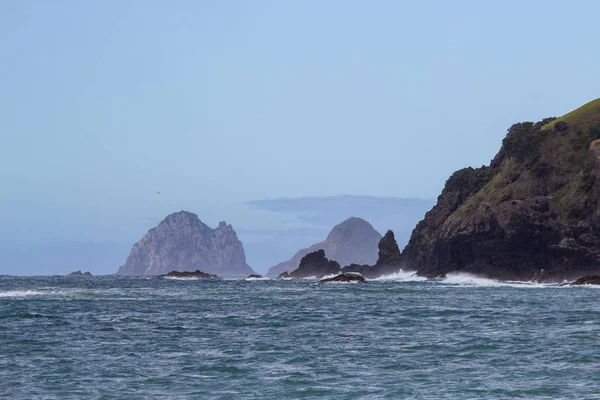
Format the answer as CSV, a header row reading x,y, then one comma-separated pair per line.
x,y
536,207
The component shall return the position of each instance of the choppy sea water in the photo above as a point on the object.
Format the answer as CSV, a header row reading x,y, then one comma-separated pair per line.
x,y
398,338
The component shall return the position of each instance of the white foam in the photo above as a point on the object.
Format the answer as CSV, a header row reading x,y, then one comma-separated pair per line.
x,y
465,279
262,278
403,276
21,293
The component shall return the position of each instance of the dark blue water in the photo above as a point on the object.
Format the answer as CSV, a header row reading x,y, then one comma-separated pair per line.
x,y
133,338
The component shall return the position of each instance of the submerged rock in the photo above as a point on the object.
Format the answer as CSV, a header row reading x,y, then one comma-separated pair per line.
x,y
79,273
255,276
189,274
345,277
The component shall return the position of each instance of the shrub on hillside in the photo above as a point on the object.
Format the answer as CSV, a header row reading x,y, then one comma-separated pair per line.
x,y
561,126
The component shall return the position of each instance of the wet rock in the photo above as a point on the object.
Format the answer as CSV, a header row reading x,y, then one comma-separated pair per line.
x,y
585,280
345,277
189,274
80,274
255,276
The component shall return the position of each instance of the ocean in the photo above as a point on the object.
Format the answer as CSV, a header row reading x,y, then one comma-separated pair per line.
x,y
400,337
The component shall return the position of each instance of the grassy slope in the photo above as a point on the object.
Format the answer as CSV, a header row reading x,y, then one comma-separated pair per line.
x,y
586,115
561,153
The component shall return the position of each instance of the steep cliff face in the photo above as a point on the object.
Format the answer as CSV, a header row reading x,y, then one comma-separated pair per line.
x,y
532,214
181,242
352,241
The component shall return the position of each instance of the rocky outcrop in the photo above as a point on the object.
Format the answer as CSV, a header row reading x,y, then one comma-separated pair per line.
x,y
80,274
534,213
314,265
254,276
352,241
345,277
389,253
586,280
181,242
388,261
189,275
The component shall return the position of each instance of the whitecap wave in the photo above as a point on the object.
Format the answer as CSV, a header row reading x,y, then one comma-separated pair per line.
x,y
22,293
402,276
465,279
262,278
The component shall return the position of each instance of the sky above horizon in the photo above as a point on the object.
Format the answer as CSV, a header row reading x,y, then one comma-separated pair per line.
x,y
218,103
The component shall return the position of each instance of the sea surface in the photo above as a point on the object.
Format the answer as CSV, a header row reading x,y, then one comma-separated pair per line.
x,y
396,338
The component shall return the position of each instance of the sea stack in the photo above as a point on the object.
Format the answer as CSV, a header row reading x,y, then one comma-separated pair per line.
x,y
181,242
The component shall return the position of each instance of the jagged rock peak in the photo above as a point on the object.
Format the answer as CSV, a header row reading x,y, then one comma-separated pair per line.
x,y
352,241
389,252
181,242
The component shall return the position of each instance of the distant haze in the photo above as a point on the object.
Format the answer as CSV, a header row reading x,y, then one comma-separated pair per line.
x,y
115,114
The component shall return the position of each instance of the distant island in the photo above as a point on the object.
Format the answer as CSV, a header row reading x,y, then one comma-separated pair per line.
x,y
532,214
181,242
351,241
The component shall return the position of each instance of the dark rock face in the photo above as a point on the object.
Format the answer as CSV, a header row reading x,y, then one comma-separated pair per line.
x,y
189,274
79,273
389,252
586,280
181,242
316,265
352,241
345,277
534,213
255,276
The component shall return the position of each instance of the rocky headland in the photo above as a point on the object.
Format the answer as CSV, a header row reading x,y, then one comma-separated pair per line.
x,y
181,242
534,212
352,241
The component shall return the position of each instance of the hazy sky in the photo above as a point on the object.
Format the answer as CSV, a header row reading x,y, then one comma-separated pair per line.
x,y
215,103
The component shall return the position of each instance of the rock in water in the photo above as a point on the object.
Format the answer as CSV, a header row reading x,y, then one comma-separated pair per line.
x,y
189,274
352,241
586,280
388,261
181,242
79,273
536,207
316,265
254,276
389,252
345,277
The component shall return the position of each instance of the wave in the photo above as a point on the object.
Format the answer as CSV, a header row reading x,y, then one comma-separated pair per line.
x,y
465,279
402,276
22,293
262,278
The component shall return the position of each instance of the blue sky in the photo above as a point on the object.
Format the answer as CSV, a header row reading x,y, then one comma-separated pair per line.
x,y
217,103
